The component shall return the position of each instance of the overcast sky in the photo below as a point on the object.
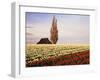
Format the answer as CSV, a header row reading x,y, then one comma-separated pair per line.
x,y
72,29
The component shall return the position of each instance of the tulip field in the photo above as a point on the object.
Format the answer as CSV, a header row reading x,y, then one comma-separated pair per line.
x,y
56,55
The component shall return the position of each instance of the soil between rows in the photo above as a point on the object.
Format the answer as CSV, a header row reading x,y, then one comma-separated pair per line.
x,y
68,59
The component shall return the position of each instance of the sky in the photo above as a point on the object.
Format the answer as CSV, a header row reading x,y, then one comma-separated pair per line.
x,y
73,29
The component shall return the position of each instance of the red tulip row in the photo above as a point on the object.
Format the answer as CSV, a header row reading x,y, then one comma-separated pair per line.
x,y
68,59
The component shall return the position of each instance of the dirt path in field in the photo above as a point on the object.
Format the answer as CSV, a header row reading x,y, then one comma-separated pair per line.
x,y
69,59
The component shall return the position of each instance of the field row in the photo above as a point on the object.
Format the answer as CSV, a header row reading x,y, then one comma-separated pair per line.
x,y
42,52
69,59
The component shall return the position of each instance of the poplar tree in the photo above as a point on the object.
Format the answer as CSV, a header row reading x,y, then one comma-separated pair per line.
x,y
54,31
